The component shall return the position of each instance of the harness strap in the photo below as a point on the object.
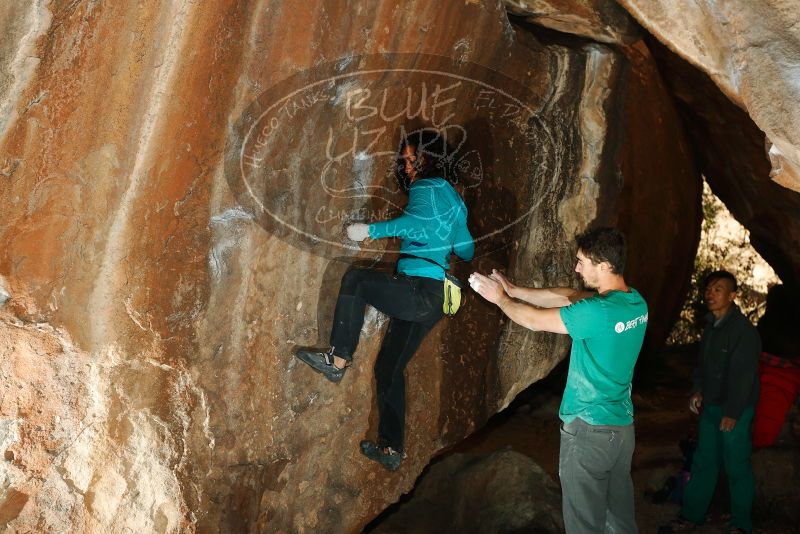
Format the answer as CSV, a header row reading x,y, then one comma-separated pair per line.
x,y
403,255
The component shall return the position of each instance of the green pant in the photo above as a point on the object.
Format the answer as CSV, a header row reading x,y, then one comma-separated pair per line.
x,y
715,449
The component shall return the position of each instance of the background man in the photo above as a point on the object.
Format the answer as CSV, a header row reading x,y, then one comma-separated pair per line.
x,y
726,387
607,328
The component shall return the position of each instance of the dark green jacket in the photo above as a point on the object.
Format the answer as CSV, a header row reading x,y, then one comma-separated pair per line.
x,y
728,371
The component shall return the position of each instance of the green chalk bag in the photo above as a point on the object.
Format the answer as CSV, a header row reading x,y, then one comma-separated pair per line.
x,y
452,294
452,287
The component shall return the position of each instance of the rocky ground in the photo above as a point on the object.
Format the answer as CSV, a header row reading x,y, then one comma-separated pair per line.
x,y
530,426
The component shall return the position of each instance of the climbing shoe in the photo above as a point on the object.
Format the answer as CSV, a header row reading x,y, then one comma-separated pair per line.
x,y
386,456
323,362
679,524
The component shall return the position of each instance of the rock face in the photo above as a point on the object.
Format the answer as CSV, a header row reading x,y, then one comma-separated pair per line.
x,y
90,442
174,186
738,102
750,50
600,20
502,492
777,471
729,150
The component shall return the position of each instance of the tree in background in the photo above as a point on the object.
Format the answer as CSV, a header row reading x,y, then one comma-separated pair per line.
x,y
724,244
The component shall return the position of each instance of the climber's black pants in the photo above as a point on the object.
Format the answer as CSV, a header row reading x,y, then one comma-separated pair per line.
x,y
414,306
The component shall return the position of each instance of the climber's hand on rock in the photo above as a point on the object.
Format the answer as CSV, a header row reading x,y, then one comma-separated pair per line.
x,y
358,232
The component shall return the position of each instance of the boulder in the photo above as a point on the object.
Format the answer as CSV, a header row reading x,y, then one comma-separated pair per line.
x,y
503,492
174,187
729,150
750,51
603,21
777,472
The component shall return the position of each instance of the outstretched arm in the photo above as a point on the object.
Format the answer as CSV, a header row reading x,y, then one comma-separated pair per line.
x,y
415,221
546,320
551,297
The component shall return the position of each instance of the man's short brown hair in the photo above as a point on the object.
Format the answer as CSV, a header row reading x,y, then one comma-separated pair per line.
x,y
604,244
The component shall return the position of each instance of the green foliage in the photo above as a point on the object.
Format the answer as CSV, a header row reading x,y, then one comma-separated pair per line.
x,y
720,248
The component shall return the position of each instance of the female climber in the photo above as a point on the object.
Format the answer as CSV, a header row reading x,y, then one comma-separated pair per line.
x,y
433,224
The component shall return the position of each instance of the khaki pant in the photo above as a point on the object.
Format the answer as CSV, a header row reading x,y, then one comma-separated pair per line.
x,y
595,472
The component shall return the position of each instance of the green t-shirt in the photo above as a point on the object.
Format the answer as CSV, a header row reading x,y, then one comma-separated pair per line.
x,y
607,333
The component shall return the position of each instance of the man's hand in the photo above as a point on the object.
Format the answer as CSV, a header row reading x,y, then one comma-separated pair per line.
x,y
727,424
358,232
695,402
548,320
488,288
508,287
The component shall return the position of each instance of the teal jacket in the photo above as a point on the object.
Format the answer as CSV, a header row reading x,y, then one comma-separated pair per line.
x,y
433,224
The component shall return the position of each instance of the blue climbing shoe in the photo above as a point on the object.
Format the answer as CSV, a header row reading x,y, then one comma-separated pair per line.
x,y
321,361
386,456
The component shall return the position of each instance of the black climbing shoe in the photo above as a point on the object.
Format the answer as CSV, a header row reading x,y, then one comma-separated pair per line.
x,y
386,456
323,362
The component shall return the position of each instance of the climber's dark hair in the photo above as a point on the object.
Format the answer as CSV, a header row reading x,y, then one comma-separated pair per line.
x,y
433,157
